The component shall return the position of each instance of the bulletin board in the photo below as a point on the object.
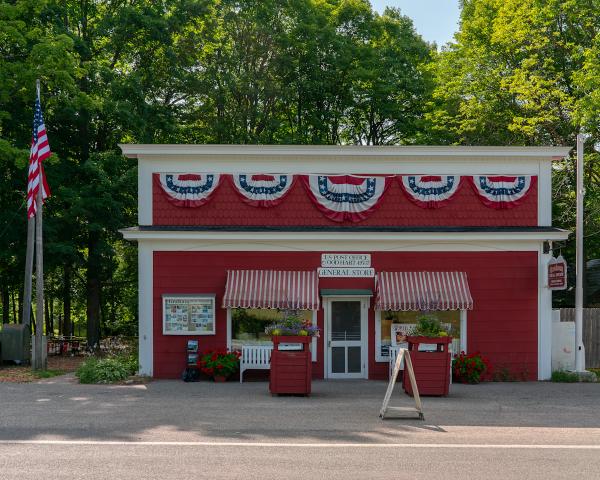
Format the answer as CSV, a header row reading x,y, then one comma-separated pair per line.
x,y
189,314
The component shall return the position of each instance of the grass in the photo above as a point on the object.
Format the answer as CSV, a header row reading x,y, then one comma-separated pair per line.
x,y
47,373
560,376
596,371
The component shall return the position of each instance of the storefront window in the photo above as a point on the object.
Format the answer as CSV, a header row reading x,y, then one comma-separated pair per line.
x,y
450,319
248,324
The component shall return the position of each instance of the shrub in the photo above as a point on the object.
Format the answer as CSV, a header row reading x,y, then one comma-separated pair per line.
x,y
106,370
219,362
469,368
560,376
429,326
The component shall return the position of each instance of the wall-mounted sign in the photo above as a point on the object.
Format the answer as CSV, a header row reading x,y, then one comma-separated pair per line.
x,y
346,272
557,273
346,260
188,314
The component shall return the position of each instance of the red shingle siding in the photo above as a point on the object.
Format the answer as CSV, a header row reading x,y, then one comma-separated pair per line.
x,y
226,208
503,324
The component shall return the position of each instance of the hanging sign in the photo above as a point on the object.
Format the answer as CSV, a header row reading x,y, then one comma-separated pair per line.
x,y
346,260
557,273
346,272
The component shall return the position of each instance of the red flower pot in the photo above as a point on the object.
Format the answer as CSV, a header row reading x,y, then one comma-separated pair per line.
x,y
220,378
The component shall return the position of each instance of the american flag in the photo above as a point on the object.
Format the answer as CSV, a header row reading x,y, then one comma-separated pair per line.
x,y
40,150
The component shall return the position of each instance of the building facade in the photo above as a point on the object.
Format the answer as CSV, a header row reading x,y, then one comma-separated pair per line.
x,y
361,241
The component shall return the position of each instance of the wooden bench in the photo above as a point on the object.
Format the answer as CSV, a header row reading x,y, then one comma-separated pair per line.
x,y
255,357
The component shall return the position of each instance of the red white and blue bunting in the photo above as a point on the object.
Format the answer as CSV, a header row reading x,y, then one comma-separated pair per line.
x,y
346,197
262,190
430,191
500,191
188,189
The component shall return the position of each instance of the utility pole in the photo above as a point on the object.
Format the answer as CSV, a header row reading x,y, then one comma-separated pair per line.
x,y
580,193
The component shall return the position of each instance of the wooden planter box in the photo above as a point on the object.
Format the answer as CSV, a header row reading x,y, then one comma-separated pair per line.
x,y
432,369
291,370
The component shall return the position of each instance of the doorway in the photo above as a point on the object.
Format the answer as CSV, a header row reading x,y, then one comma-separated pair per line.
x,y
346,337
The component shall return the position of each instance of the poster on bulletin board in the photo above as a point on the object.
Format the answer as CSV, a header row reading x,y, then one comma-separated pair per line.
x,y
188,314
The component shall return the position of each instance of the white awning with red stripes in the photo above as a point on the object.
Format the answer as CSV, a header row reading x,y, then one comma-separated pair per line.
x,y
423,291
294,290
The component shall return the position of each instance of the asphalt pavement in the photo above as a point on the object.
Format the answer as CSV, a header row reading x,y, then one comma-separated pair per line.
x,y
170,429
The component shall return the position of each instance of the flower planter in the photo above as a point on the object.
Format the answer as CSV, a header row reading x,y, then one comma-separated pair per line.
x,y
291,370
432,369
219,379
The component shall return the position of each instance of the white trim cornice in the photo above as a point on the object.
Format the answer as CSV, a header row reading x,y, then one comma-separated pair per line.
x,y
370,239
167,151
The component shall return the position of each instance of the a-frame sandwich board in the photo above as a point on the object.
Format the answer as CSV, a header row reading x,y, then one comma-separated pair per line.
x,y
402,412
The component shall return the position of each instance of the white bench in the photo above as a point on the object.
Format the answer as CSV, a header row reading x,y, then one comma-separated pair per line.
x,y
255,357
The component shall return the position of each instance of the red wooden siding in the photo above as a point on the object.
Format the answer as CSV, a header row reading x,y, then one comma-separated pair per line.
x,y
226,208
503,324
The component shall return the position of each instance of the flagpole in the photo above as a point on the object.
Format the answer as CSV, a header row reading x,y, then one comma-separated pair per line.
x,y
40,354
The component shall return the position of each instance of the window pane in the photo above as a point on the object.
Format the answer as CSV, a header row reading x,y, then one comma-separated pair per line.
x,y
338,359
248,324
354,360
345,320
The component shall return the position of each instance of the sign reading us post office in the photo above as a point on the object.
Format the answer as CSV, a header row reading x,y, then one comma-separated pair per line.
x,y
346,260
346,265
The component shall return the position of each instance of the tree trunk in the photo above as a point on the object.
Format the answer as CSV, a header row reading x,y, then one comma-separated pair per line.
x,y
66,320
5,304
93,291
14,307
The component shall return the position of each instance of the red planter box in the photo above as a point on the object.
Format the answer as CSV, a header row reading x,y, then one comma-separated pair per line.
x,y
291,370
432,369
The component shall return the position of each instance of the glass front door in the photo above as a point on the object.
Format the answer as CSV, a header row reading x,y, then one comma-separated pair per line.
x,y
346,339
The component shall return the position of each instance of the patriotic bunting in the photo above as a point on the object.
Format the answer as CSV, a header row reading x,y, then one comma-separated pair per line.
x,y
502,192
430,191
188,189
346,197
262,190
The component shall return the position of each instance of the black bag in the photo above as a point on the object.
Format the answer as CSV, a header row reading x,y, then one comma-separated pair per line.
x,y
190,375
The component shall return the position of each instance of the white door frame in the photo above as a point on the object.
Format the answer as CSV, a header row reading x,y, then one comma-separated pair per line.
x,y
364,334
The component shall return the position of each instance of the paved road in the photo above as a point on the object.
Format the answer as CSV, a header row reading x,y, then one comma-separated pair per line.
x,y
169,429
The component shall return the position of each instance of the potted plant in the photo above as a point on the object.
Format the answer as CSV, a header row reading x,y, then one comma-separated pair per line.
x,y
431,367
219,364
291,361
469,368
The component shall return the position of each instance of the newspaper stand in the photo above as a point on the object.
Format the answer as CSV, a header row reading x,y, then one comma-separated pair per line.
x,y
291,365
432,368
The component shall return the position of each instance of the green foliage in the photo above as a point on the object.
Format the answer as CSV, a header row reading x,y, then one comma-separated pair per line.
x,y
429,326
106,370
219,362
595,371
47,373
469,368
561,376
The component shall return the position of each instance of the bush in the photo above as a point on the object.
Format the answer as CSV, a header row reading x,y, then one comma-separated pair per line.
x,y
429,326
219,362
560,376
106,370
469,368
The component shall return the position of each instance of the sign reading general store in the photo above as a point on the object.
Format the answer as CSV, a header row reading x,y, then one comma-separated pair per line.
x,y
346,272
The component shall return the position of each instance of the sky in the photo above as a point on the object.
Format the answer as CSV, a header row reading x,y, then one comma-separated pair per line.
x,y
435,20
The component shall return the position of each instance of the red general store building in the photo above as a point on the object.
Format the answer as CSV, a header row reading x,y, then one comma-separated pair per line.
x,y
359,240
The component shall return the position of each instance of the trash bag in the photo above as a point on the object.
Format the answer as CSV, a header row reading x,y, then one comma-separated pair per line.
x,y
190,375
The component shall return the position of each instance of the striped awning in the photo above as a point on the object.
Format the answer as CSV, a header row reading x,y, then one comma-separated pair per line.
x,y
423,291
295,290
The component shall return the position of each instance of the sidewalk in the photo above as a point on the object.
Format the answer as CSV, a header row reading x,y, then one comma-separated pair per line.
x,y
338,411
